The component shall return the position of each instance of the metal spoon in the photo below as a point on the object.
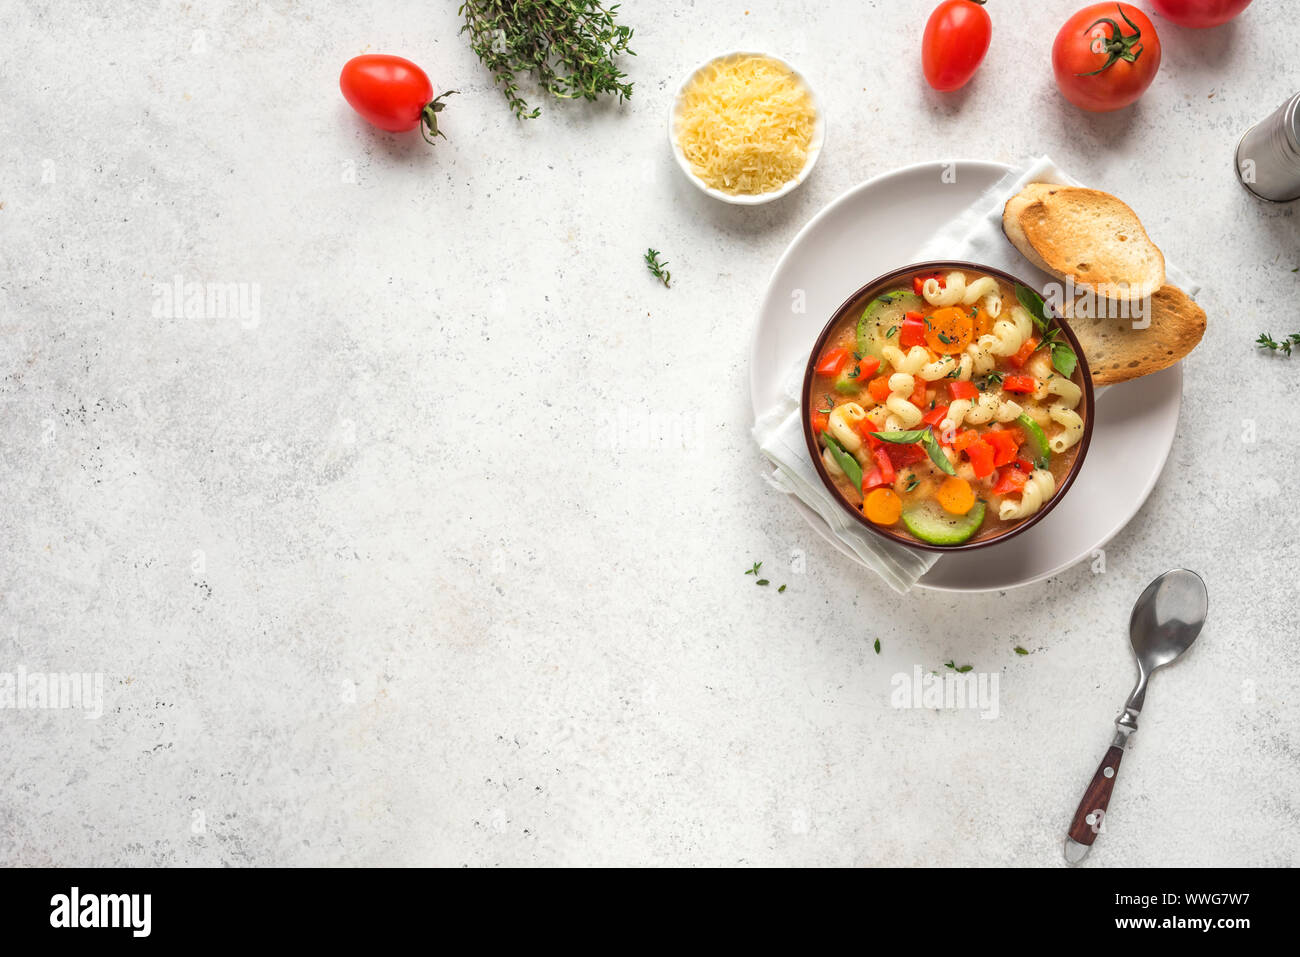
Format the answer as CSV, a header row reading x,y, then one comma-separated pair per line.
x,y
1166,620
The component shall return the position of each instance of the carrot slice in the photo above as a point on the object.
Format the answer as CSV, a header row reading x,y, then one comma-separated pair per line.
x,y
882,506
956,496
949,331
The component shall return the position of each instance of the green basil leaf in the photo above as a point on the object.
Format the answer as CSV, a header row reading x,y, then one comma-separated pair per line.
x,y
935,451
910,437
1063,359
1034,305
844,460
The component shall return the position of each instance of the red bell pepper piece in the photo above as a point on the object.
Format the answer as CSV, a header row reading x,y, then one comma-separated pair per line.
x,y
903,455
820,422
832,362
1020,358
872,480
1020,383
980,454
911,333
935,416
1017,433
918,393
866,428
885,466
1024,465
963,440
867,367
1010,480
879,388
918,282
962,390
1004,446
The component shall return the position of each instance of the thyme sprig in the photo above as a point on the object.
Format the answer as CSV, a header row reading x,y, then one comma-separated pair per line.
x,y
568,46
656,267
1284,346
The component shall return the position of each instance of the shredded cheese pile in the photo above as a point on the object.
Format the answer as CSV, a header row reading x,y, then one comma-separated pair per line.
x,y
745,125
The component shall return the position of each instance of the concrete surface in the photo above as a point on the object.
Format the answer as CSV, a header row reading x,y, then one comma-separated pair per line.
x,y
434,554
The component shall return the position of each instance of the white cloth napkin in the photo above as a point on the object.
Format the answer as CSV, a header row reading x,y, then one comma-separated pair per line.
x,y
976,235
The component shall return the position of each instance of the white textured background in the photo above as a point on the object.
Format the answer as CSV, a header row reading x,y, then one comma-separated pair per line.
x,y
475,466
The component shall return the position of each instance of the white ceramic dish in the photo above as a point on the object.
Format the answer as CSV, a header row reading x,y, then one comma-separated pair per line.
x,y
874,228
748,199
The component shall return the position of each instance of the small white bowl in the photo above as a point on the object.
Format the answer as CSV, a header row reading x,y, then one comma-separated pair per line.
x,y
748,199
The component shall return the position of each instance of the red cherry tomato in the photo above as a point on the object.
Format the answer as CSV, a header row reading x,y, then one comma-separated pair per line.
x,y
1106,56
956,38
1199,13
392,93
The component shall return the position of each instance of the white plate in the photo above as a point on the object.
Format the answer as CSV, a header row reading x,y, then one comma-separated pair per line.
x,y
876,227
749,199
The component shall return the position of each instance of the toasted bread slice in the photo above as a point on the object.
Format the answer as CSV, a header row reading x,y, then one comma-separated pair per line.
x,y
1117,352
1087,236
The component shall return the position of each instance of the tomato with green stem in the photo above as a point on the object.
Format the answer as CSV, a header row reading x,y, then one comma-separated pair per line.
x,y
1106,56
392,93
956,38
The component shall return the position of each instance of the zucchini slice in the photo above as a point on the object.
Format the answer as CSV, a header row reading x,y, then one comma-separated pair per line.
x,y
931,524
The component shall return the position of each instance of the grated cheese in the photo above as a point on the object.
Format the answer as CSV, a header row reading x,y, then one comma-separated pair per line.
x,y
745,124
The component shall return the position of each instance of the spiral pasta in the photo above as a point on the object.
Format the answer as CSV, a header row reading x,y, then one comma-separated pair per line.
x,y
910,362
1008,410
985,288
951,293
902,414
1012,333
978,359
1037,490
939,369
832,466
1062,412
841,425
1071,427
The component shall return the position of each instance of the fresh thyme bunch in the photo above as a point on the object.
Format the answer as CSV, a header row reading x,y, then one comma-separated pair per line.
x,y
568,45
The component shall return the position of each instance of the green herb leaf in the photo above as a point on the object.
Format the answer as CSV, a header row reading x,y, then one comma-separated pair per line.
x,y
1020,651
1034,305
907,437
891,332
656,267
847,463
961,671
762,581
569,47
754,570
1268,342
1063,359
780,590
928,442
877,646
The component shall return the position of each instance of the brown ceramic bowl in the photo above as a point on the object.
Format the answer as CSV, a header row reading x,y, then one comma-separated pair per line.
x,y
854,305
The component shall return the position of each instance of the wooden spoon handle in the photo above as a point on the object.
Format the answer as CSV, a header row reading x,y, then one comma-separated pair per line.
x,y
1096,799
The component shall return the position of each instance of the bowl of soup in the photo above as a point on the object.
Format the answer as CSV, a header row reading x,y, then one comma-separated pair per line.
x,y
947,406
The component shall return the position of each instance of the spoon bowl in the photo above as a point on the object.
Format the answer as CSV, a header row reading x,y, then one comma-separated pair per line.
x,y
1167,617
